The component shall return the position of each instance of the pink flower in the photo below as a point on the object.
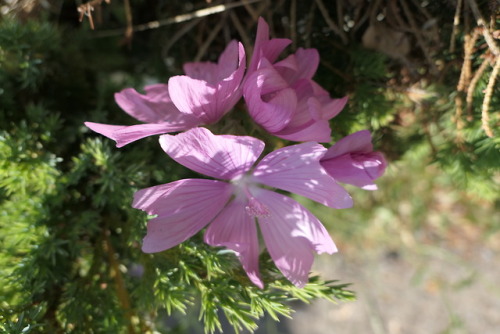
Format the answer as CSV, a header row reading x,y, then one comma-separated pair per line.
x,y
282,97
265,48
231,205
202,96
352,160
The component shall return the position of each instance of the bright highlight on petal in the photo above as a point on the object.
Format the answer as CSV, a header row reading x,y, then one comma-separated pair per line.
x,y
209,90
223,157
297,169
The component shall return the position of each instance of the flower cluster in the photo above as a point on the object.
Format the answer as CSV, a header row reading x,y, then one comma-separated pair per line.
x,y
284,100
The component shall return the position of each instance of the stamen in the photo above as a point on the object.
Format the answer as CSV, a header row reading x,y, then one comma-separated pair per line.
x,y
256,208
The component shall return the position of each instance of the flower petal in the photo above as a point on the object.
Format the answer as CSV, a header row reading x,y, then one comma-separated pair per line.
x,y
221,156
264,47
235,229
358,142
154,107
212,90
291,234
301,65
297,169
359,170
183,207
269,100
311,131
124,135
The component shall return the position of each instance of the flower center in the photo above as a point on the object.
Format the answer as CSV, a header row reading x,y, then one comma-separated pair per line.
x,y
244,188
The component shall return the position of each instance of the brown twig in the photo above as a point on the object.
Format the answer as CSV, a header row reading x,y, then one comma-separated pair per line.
x,y
293,23
213,33
339,32
87,8
309,25
472,87
178,18
418,34
485,29
245,38
456,24
129,31
121,290
178,34
465,74
485,117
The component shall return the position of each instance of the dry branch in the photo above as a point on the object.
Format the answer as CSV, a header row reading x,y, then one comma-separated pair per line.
x,y
485,117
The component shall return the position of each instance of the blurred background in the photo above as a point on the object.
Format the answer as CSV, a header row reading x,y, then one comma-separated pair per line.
x,y
421,252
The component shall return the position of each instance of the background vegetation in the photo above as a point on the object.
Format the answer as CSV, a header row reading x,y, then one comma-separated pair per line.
x,y
423,76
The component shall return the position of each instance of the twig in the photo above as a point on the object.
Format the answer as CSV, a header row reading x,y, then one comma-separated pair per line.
x,y
309,24
329,21
485,117
423,10
243,33
465,74
418,35
254,14
485,29
472,87
129,31
178,34
177,19
87,8
456,24
293,24
213,33
340,14
121,290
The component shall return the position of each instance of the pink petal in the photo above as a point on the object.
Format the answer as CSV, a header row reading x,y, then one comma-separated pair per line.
x,y
318,131
360,142
301,65
233,58
235,229
194,97
297,169
274,113
154,107
291,234
221,156
211,90
359,170
265,48
183,207
333,107
124,135
344,169
205,71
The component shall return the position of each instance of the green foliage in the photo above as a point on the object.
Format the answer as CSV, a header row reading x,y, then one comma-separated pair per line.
x,y
70,258
69,239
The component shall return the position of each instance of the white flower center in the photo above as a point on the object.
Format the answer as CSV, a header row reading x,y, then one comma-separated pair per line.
x,y
246,187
